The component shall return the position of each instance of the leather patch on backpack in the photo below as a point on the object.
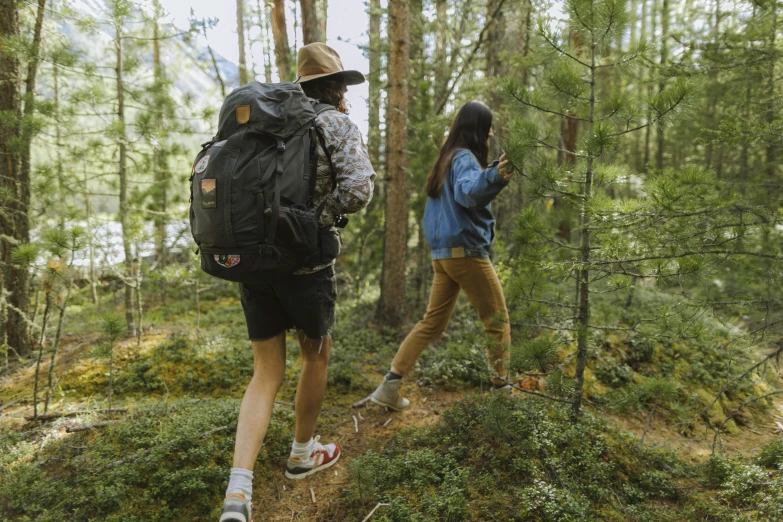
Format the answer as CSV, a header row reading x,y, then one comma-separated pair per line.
x,y
243,114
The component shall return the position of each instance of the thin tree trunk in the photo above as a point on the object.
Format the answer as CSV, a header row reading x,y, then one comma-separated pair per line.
x,y
771,113
123,176
40,354
243,77
266,39
712,88
57,336
280,33
213,59
374,78
90,239
159,159
393,283
662,85
583,319
648,129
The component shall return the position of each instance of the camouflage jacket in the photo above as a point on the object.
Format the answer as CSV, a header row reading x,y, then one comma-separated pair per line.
x,y
353,172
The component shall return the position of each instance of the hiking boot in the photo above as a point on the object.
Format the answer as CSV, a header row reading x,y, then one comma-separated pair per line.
x,y
388,394
236,509
321,457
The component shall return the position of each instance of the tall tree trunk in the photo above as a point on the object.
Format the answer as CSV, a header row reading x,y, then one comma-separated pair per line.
x,y
90,238
14,191
396,221
322,6
648,129
494,66
159,160
374,78
662,85
770,112
243,76
280,33
311,27
266,39
583,310
712,88
441,49
122,171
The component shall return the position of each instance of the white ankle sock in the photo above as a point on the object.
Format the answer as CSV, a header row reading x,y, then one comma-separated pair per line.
x,y
301,449
241,481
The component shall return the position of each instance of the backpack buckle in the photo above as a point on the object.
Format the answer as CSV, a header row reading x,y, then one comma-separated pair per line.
x,y
280,146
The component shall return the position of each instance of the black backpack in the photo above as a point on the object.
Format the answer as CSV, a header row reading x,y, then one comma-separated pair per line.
x,y
252,187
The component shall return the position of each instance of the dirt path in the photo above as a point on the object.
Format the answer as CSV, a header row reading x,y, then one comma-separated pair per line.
x,y
277,499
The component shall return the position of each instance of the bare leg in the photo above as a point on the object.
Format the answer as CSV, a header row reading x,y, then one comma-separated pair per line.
x,y
312,385
259,399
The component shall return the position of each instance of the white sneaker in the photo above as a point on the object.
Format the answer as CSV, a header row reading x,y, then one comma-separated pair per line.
x,y
236,509
320,457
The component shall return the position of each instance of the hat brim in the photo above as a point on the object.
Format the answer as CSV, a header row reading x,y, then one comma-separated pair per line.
x,y
351,77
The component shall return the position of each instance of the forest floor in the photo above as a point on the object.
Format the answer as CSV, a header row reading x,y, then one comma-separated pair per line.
x,y
358,430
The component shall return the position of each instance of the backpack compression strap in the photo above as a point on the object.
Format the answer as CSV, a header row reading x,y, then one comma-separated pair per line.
x,y
270,240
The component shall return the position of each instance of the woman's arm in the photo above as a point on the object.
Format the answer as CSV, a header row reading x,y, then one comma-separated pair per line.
x,y
474,188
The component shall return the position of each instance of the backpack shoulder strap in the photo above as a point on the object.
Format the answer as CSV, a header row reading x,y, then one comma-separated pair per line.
x,y
320,108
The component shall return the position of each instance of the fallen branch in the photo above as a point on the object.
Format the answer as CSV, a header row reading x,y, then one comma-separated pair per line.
x,y
12,403
355,423
52,416
85,427
371,513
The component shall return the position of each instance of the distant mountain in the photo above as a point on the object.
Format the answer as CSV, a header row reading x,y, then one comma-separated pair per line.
x,y
188,64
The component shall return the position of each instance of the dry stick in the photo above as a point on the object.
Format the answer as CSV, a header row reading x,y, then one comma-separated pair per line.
x,y
731,415
371,513
647,426
312,495
84,427
359,414
387,422
51,416
355,423
11,403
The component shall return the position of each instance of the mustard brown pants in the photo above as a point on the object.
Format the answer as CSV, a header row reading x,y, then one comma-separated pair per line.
x,y
478,278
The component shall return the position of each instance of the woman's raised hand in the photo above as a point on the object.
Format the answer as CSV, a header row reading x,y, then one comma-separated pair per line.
x,y
505,169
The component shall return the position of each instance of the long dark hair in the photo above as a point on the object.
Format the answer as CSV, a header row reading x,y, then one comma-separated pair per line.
x,y
470,131
328,89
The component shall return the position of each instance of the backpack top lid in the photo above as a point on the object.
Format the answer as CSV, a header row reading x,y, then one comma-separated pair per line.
x,y
275,109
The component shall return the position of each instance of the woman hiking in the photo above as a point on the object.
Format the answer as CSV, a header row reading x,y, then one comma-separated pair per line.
x,y
459,228
305,300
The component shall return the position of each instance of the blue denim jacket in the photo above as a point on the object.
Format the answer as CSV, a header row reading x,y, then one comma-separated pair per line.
x,y
458,223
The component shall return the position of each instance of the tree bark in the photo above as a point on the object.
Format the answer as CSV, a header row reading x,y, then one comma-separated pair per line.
x,y
122,171
374,79
771,113
266,39
311,26
662,85
323,12
583,317
392,307
243,76
15,190
159,160
280,34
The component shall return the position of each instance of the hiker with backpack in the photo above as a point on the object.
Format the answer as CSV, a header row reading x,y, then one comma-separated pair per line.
x,y
459,228
286,166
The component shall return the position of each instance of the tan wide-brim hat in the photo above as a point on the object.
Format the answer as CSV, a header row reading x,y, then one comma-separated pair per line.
x,y
317,60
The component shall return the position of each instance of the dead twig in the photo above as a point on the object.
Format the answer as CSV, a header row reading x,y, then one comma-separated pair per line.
x,y
387,422
52,416
312,495
371,513
355,423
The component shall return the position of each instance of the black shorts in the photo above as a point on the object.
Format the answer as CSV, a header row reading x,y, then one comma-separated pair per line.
x,y
305,302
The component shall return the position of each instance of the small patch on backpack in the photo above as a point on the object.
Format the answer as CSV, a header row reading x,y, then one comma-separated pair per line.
x,y
201,166
208,193
228,261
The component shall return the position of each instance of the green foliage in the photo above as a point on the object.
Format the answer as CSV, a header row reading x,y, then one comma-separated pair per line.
x,y
527,462
159,464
